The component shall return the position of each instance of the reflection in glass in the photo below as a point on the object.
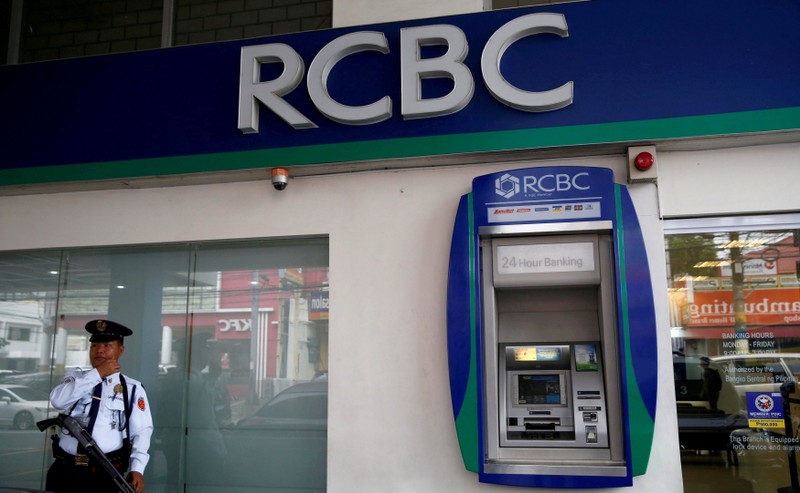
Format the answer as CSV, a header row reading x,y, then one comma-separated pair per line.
x,y
262,351
230,340
734,300
28,286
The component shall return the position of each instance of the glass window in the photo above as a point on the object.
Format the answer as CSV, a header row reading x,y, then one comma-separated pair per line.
x,y
256,343
222,332
735,323
19,334
28,286
297,406
28,394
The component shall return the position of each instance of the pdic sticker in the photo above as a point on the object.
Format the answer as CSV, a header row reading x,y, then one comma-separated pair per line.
x,y
765,410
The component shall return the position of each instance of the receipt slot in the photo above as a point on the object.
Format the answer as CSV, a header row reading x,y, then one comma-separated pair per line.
x,y
551,330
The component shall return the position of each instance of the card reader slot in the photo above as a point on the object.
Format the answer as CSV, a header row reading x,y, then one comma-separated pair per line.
x,y
541,423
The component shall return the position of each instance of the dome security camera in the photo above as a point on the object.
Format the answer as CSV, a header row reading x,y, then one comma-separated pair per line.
x,y
280,178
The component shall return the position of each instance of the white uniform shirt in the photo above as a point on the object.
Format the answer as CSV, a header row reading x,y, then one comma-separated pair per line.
x,y
76,390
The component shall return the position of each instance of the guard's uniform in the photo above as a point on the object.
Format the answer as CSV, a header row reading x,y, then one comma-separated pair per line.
x,y
72,469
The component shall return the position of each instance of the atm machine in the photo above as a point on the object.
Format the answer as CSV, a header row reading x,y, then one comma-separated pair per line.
x,y
551,330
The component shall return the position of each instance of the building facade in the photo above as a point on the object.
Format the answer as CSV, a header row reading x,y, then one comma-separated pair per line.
x,y
136,185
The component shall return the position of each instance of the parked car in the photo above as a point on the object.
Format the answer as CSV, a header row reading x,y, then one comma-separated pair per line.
x,y
285,441
755,372
741,373
701,428
21,406
42,381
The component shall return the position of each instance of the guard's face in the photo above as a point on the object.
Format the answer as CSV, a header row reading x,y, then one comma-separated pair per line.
x,y
102,351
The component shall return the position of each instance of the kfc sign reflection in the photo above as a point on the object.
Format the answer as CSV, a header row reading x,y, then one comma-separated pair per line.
x,y
234,325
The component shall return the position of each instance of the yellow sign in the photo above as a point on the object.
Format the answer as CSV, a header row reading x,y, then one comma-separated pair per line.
x,y
766,423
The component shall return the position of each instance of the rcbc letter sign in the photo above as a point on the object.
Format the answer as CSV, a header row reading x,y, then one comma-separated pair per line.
x,y
254,92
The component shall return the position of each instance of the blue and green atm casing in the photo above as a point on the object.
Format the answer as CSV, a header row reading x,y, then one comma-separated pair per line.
x,y
535,202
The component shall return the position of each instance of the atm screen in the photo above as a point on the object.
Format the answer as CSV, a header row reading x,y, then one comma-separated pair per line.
x,y
540,388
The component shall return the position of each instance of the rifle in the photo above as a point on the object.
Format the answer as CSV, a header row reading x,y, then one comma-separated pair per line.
x,y
85,439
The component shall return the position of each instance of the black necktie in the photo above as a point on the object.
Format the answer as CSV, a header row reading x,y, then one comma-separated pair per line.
x,y
98,390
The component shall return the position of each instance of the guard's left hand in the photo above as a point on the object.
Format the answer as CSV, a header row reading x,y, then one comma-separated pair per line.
x,y
137,481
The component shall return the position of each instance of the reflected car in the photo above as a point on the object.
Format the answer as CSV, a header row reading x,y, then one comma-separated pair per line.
x,y
283,444
701,428
21,407
755,372
40,381
740,373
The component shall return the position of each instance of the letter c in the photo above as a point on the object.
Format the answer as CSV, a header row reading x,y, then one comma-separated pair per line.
x,y
321,67
497,45
575,181
541,183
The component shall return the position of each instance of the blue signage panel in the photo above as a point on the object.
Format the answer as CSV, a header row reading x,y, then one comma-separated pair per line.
x,y
636,70
563,194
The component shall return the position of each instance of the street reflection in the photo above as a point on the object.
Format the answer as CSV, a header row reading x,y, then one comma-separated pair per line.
x,y
285,440
734,308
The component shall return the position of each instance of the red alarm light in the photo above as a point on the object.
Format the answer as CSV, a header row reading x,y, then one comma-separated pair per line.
x,y
644,161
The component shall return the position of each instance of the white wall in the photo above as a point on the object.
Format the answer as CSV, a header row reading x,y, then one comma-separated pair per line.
x,y
358,12
390,420
755,179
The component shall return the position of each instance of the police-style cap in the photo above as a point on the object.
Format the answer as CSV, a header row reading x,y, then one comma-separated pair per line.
x,y
106,331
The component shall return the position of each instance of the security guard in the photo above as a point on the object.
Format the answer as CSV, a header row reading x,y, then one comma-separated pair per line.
x,y
112,407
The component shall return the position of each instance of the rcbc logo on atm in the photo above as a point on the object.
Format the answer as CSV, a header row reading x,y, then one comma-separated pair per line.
x,y
507,186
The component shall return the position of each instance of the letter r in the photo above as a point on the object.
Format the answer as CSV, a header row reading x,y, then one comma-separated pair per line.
x,y
253,91
323,64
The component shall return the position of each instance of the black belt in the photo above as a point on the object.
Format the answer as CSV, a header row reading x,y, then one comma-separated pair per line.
x,y
117,457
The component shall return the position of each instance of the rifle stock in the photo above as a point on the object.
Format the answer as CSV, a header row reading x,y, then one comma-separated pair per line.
x,y
88,443
46,423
